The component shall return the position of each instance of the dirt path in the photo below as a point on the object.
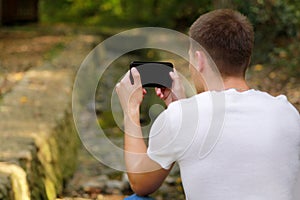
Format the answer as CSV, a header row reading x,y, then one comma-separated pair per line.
x,y
22,50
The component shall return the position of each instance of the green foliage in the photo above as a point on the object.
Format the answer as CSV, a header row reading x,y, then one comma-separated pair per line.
x,y
172,13
276,22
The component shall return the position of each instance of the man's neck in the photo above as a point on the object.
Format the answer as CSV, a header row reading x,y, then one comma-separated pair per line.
x,y
237,83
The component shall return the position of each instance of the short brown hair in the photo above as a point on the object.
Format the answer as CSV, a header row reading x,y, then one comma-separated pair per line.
x,y
228,37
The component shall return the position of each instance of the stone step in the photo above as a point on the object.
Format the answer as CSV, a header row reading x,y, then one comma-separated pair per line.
x,y
38,142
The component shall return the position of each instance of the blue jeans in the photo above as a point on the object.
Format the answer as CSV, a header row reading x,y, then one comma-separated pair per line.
x,y
136,197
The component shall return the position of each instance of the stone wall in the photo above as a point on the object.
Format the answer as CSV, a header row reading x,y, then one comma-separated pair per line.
x,y
38,142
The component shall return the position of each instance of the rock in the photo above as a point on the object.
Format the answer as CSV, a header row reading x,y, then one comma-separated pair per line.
x,y
102,178
94,186
37,130
125,178
175,170
125,182
5,186
115,184
114,187
170,180
100,197
165,189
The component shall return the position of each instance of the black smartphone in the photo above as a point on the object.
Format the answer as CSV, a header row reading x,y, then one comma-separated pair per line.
x,y
153,74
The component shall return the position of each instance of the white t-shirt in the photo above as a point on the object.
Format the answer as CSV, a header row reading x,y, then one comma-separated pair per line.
x,y
230,145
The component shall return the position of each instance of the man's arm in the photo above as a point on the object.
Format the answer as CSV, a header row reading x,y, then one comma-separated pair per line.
x,y
145,175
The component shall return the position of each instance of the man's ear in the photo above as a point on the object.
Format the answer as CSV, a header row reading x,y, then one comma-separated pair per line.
x,y
200,60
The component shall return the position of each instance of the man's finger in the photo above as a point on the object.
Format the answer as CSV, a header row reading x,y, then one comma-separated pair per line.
x,y
158,91
174,75
144,91
136,76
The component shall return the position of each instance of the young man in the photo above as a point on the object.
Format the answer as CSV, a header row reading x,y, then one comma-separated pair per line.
x,y
254,137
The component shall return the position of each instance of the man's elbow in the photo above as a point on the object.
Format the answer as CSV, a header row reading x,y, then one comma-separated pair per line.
x,y
141,189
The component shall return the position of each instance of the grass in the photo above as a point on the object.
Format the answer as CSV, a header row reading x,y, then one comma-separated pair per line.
x,y
54,51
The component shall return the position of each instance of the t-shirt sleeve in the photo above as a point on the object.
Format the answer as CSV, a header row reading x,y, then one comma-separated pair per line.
x,y
163,136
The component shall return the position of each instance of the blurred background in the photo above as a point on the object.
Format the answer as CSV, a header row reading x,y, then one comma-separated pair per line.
x,y
34,32
276,24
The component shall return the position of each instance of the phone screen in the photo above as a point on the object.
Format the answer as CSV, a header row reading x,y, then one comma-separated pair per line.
x,y
153,74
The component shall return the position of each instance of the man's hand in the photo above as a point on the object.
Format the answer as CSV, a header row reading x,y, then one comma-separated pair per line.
x,y
175,93
130,95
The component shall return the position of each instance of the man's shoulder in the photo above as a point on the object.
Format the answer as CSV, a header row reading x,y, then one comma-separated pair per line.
x,y
252,99
278,103
263,106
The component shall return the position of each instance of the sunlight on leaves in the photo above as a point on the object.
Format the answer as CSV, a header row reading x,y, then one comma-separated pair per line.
x,y
258,67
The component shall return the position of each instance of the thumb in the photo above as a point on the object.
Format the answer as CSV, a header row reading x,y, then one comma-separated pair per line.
x,y
174,75
136,76
177,87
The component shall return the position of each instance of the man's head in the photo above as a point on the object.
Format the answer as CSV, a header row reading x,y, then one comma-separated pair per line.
x,y
228,37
